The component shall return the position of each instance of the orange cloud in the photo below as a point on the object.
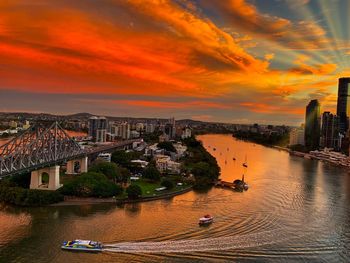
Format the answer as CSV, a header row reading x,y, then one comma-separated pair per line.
x,y
173,105
161,53
206,35
292,34
271,109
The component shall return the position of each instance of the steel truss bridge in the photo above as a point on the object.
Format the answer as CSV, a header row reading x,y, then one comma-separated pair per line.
x,y
43,145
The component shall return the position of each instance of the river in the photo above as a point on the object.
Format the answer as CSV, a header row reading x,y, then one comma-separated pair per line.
x,y
295,210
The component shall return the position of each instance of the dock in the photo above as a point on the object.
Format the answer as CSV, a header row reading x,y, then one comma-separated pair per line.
x,y
224,184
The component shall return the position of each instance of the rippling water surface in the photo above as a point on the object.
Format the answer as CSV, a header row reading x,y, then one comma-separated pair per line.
x,y
295,210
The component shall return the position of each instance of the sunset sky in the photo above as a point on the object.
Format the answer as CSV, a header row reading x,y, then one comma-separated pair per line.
x,y
236,61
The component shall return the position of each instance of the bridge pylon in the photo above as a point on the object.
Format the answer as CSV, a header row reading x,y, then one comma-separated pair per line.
x,y
77,166
37,180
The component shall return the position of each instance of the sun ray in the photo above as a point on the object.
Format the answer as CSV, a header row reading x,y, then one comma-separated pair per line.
x,y
329,9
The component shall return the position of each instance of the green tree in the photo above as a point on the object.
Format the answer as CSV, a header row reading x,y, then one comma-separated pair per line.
x,y
123,175
91,184
168,184
168,146
21,180
152,137
151,173
204,174
121,157
192,142
111,170
134,191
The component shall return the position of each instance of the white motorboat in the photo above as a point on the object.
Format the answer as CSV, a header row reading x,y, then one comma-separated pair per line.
x,y
206,220
82,245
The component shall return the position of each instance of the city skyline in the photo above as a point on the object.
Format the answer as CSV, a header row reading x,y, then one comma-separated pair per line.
x,y
227,61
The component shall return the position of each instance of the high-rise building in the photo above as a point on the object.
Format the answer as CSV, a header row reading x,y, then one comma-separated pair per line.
x,y
329,131
170,128
297,136
125,130
312,125
343,110
149,128
139,126
116,130
98,128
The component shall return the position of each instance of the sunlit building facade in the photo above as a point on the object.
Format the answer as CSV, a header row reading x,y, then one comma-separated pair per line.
x,y
297,136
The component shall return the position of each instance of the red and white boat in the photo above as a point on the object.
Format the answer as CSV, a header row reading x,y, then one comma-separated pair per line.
x,y
206,220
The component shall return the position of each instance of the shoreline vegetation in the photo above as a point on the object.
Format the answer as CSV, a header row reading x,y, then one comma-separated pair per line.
x,y
73,200
110,181
273,139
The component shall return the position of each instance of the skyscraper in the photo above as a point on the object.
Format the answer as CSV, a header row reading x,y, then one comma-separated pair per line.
x,y
98,128
125,130
170,128
312,125
330,131
343,104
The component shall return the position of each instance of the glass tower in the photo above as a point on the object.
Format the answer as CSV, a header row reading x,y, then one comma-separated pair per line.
x,y
343,104
312,125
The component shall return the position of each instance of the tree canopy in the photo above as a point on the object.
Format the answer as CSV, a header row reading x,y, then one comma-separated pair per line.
x,y
168,184
108,169
168,146
123,159
134,191
91,184
151,173
200,163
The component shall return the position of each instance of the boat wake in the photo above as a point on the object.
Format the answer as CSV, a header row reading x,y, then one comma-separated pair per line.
x,y
202,245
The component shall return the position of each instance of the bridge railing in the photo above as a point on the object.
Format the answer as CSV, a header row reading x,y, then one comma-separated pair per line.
x,y
41,145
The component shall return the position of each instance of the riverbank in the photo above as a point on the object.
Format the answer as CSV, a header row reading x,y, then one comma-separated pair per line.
x,y
337,160
71,200
304,155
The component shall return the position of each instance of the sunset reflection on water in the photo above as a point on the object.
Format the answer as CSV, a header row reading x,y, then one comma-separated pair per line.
x,y
295,208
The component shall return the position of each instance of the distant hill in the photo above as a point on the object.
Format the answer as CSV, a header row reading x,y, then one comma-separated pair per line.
x,y
86,116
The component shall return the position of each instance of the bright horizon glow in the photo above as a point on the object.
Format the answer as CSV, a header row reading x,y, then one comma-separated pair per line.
x,y
233,61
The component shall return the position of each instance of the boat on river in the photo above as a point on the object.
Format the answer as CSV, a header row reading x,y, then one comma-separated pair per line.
x,y
82,245
240,185
245,164
206,220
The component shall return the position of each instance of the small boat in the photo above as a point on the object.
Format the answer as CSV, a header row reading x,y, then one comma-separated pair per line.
x,y
240,185
206,220
245,164
82,245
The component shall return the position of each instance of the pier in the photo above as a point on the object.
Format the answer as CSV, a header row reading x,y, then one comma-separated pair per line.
x,y
224,184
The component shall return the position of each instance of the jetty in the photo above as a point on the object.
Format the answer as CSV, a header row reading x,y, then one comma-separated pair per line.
x,y
224,184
